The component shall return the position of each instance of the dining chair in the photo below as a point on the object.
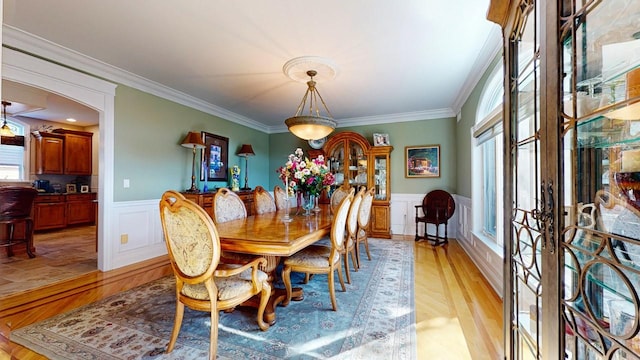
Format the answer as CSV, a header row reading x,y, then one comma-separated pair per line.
x,y
227,206
202,282
337,196
16,203
263,201
280,196
364,217
319,259
352,232
437,208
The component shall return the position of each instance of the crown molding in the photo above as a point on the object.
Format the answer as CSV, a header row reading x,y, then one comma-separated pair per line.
x,y
26,42
492,47
384,119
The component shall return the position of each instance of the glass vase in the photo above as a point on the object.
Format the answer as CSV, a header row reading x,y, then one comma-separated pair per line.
x,y
287,208
316,208
307,203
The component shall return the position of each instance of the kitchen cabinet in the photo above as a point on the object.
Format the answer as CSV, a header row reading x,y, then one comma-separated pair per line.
x,y
77,151
57,211
354,163
62,151
49,212
47,154
80,208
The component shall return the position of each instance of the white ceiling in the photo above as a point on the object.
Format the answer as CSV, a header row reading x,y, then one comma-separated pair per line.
x,y
396,60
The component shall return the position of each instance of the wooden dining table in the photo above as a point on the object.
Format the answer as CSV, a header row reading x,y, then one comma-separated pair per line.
x,y
269,236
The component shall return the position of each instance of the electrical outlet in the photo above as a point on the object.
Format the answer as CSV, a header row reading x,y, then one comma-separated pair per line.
x,y
124,238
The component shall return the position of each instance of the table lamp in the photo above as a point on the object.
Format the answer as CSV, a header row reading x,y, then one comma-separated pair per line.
x,y
245,151
193,140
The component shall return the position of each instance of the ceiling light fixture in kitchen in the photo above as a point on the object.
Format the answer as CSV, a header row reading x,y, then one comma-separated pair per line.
x,y
5,130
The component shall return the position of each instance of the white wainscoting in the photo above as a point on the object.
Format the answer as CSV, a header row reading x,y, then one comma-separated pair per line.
x,y
403,214
486,258
139,221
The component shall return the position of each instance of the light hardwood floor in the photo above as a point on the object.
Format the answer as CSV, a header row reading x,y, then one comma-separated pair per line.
x,y
458,316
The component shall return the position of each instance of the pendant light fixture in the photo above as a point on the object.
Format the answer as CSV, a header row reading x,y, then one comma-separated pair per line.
x,y
5,130
309,122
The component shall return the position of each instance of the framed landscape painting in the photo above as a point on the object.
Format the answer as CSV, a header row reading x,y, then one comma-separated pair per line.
x,y
422,161
215,157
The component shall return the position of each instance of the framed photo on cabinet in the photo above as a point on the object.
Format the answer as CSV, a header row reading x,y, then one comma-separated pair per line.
x,y
381,139
422,161
215,158
71,188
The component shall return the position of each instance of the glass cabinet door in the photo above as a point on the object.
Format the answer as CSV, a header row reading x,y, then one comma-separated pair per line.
x,y
381,164
336,161
357,165
347,154
601,156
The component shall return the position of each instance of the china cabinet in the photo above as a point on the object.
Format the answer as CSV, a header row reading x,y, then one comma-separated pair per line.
x,y
380,178
572,160
354,163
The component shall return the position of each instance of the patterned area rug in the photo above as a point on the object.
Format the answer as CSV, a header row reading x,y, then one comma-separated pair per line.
x,y
375,320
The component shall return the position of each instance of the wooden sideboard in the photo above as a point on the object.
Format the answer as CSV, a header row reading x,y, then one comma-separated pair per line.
x,y
205,200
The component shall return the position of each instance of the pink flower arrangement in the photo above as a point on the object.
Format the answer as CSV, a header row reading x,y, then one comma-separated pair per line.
x,y
302,174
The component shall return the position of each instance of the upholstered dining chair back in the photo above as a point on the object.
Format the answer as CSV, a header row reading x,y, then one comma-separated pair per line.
x,y
202,282
364,217
320,259
352,231
16,204
263,201
337,196
280,196
339,227
227,206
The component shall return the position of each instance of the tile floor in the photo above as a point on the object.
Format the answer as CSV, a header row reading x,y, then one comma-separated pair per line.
x,y
59,255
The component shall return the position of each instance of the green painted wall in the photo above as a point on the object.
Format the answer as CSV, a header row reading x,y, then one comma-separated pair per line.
x,y
148,132
425,132
463,133
149,129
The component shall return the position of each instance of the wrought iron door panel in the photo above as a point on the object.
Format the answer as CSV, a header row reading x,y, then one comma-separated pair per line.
x,y
601,157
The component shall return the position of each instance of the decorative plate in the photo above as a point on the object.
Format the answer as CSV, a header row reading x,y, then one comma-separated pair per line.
x,y
317,144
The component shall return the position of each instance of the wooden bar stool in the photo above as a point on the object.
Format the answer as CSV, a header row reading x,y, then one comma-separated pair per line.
x,y
16,203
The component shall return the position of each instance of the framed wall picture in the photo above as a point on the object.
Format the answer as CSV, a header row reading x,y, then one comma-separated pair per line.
x,y
84,189
71,188
215,158
381,139
422,161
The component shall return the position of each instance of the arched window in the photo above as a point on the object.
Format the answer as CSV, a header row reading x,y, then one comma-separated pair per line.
x,y
487,165
12,164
